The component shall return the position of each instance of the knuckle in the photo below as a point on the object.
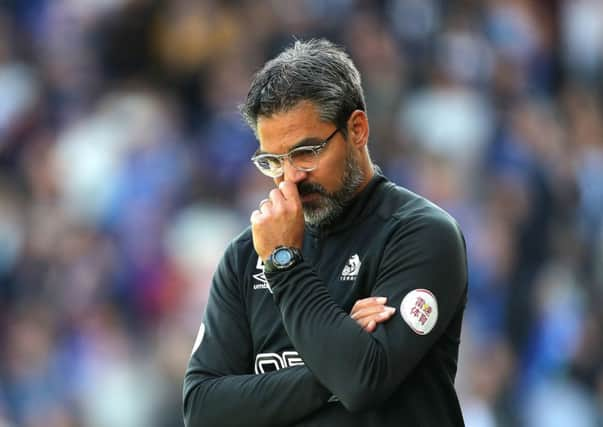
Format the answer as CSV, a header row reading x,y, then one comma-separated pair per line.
x,y
277,211
260,219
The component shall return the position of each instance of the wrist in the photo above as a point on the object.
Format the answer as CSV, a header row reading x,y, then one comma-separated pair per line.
x,y
282,258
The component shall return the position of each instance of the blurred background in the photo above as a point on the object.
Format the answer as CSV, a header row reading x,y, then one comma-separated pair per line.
x,y
124,172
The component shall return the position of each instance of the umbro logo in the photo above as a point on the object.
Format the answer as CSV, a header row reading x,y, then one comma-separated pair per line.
x,y
350,271
260,278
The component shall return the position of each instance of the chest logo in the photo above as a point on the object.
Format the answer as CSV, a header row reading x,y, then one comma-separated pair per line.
x,y
350,271
270,362
260,281
419,309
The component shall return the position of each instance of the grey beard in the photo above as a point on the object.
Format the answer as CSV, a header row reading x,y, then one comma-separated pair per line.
x,y
329,206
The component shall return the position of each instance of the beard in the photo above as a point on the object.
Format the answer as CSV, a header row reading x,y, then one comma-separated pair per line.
x,y
328,206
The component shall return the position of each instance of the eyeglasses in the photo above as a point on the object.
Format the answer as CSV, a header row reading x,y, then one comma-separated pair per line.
x,y
301,158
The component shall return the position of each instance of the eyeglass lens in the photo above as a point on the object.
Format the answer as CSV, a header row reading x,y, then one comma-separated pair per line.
x,y
302,158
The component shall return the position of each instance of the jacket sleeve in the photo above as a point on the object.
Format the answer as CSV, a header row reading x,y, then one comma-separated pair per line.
x,y
220,388
360,368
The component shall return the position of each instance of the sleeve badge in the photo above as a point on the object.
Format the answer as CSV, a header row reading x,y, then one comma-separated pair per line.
x,y
419,309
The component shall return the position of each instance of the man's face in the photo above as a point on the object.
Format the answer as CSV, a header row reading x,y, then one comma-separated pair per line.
x,y
327,189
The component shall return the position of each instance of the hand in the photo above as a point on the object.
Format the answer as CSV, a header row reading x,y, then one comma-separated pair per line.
x,y
368,312
279,220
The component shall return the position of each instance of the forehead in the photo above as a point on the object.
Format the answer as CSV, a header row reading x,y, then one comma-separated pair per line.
x,y
281,131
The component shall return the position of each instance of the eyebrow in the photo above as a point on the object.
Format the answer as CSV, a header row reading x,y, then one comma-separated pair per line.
x,y
306,142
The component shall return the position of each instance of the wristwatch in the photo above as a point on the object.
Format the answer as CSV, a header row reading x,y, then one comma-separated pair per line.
x,y
282,258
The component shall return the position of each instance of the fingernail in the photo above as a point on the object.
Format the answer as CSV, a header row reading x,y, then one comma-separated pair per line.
x,y
390,309
384,314
381,300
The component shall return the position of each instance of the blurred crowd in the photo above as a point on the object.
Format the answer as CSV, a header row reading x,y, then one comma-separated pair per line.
x,y
124,172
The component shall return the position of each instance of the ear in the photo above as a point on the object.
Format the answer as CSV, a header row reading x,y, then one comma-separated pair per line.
x,y
358,128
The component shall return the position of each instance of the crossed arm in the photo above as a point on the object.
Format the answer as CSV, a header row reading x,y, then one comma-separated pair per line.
x,y
218,380
376,360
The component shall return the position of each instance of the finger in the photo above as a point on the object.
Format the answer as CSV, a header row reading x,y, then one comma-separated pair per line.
x,y
363,308
265,206
277,201
367,311
385,315
369,301
276,196
364,323
379,316
289,190
255,216
370,323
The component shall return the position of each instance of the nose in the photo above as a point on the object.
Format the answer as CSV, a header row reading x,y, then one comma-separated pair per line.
x,y
291,174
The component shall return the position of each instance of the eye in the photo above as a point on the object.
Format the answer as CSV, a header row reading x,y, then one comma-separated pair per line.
x,y
303,157
268,162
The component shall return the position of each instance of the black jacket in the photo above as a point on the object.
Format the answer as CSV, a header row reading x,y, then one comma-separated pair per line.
x,y
282,350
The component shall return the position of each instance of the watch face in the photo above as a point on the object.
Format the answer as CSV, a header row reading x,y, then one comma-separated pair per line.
x,y
283,256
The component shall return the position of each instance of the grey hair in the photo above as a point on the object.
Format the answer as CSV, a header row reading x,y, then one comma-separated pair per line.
x,y
315,70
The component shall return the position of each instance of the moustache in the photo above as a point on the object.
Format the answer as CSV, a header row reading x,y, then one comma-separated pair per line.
x,y
305,188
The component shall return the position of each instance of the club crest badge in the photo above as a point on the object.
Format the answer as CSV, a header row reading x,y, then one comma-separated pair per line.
x,y
351,269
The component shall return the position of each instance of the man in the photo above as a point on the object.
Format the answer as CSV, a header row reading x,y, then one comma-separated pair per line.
x,y
296,330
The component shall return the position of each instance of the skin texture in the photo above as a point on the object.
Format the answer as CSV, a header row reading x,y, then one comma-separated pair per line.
x,y
369,312
279,219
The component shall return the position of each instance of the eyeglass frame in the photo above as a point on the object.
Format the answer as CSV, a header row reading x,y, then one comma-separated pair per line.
x,y
316,149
